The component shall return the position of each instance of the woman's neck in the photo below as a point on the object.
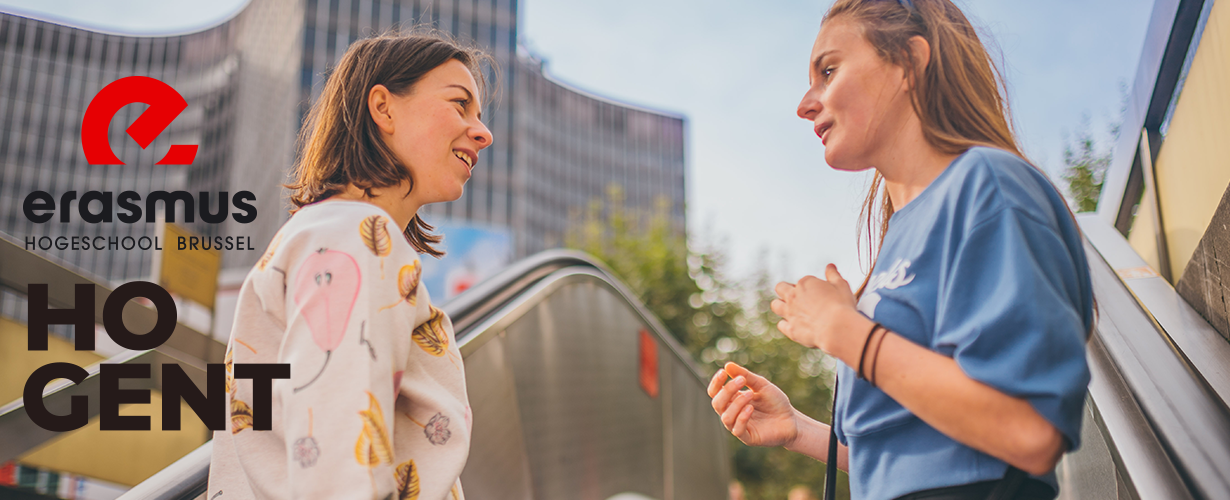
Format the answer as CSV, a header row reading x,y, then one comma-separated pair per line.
x,y
393,199
910,165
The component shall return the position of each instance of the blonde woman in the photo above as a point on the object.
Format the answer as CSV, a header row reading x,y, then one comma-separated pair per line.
x,y
962,367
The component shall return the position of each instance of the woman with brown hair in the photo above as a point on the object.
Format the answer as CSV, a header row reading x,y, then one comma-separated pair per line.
x,y
962,367
375,404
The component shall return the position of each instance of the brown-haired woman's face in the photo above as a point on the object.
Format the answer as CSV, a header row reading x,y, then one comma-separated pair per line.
x,y
858,103
436,131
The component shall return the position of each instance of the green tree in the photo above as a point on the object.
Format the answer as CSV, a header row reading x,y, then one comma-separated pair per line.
x,y
1085,168
718,319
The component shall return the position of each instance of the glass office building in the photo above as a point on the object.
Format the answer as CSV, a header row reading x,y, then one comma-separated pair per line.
x,y
51,73
556,148
232,75
249,80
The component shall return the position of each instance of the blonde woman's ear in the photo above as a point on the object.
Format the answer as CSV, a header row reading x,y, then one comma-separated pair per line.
x,y
379,104
920,53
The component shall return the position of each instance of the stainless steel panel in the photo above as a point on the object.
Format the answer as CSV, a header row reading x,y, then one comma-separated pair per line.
x,y
1187,417
22,435
1088,473
1197,341
590,431
552,375
700,459
168,483
498,466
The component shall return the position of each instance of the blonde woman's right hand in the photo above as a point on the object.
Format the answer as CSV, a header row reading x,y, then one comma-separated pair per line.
x,y
761,415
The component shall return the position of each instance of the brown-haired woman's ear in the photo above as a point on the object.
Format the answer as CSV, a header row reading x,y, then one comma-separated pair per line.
x,y
379,105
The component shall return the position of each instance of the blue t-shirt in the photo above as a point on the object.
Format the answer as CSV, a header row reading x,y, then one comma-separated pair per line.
x,y
985,266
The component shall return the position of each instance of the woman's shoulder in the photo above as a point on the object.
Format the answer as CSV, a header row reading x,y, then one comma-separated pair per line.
x,y
997,180
352,227
335,215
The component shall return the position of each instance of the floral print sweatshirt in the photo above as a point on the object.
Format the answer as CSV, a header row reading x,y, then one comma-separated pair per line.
x,y
375,406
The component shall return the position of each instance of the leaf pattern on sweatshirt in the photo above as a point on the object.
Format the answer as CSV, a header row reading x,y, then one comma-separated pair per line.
x,y
229,363
407,481
431,335
373,447
241,415
375,234
268,255
407,284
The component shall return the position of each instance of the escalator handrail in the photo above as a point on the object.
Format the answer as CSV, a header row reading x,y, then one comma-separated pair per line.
x,y
188,477
483,299
544,287
1187,418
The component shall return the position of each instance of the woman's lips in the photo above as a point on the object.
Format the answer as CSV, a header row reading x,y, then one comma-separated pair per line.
x,y
822,131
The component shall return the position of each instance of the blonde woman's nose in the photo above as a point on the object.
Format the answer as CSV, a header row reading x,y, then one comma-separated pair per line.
x,y
809,107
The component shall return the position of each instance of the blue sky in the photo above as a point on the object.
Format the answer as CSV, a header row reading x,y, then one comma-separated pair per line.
x,y
758,186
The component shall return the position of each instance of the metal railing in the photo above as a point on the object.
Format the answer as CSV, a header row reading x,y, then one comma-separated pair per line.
x,y
189,348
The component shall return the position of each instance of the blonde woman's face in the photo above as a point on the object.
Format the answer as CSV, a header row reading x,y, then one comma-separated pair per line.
x,y
857,102
437,132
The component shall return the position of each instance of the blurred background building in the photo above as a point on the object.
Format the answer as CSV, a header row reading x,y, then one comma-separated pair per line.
x,y
1168,186
249,79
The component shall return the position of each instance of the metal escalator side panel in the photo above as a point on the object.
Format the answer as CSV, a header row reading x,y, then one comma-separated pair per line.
x,y
590,429
1189,421
186,479
497,445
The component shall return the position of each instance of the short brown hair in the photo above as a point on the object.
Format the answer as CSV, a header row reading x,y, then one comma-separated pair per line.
x,y
340,144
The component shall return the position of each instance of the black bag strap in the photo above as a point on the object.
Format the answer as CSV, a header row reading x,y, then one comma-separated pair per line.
x,y
1008,487
830,467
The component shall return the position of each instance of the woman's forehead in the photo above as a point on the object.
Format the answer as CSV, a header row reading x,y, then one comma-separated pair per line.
x,y
452,72
837,35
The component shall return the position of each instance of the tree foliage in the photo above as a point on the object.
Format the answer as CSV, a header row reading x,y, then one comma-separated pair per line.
x,y
1085,168
717,319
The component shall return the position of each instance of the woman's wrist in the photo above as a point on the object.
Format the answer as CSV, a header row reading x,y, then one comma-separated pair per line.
x,y
854,332
792,443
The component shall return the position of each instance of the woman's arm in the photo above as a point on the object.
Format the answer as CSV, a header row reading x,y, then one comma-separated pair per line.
x,y
763,416
813,441
934,388
819,313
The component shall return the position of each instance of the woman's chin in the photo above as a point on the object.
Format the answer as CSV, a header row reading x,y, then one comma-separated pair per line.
x,y
837,161
457,195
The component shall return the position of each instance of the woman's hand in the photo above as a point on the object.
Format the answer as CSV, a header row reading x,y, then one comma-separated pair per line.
x,y
822,314
759,416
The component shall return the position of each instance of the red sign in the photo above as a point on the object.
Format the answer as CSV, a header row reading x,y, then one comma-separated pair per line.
x,y
648,364
164,105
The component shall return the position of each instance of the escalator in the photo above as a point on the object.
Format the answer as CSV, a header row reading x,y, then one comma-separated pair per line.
x,y
1156,422
567,404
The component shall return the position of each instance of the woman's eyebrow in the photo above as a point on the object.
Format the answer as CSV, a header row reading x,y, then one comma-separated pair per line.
x,y
816,65
469,95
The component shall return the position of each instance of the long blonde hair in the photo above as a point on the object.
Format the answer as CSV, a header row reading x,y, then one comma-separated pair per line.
x,y
958,97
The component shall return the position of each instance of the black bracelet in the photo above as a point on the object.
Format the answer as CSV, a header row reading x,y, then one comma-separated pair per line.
x,y
875,358
866,344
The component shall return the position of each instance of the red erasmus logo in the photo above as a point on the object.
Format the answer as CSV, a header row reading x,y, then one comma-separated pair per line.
x,y
164,105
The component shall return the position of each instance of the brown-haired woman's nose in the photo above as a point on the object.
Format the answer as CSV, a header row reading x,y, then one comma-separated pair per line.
x,y
481,135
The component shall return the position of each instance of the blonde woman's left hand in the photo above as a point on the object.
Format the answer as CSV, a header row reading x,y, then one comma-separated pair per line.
x,y
821,313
